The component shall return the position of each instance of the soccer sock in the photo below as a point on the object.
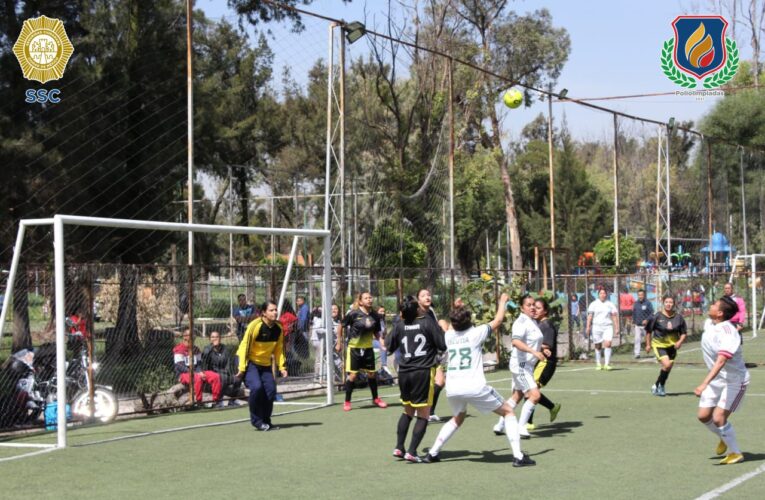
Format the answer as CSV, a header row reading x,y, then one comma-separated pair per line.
x,y
447,431
402,430
512,404
436,391
608,355
417,434
728,434
373,387
348,390
511,431
531,418
662,377
545,401
709,424
597,356
528,408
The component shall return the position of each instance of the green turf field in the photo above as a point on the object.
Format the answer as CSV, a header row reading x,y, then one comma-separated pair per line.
x,y
612,439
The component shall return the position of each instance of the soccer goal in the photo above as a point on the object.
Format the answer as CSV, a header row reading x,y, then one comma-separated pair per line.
x,y
162,294
756,285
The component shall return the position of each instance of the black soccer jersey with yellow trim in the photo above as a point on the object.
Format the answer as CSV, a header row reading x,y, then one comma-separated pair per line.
x,y
419,343
549,336
361,328
665,330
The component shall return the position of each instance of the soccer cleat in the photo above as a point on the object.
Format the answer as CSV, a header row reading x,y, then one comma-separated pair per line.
x,y
398,453
607,368
654,390
530,427
380,403
598,366
263,427
412,458
499,429
660,391
732,458
347,406
430,459
524,461
637,356
721,448
524,434
434,418
554,412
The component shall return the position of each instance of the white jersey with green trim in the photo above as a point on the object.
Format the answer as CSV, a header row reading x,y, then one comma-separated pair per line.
x,y
465,370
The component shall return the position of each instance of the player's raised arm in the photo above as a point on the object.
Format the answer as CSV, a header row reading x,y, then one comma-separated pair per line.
x,y
499,317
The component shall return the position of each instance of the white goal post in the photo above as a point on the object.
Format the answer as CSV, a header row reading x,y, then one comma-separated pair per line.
x,y
60,221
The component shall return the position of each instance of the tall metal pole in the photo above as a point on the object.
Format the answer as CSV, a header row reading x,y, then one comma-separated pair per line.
x,y
667,207
743,200
341,153
709,202
190,121
60,298
616,190
230,239
328,153
658,194
451,163
552,187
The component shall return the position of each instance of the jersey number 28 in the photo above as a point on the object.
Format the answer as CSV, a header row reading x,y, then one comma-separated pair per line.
x,y
465,360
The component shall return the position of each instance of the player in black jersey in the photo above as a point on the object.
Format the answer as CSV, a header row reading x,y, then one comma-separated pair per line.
x,y
665,333
545,369
362,325
425,302
420,341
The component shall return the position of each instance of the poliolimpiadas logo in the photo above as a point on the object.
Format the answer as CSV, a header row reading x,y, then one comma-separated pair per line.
x,y
699,50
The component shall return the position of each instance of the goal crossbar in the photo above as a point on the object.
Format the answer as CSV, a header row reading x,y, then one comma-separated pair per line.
x,y
59,221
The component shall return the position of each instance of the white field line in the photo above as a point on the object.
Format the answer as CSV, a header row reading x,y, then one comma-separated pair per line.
x,y
732,484
30,454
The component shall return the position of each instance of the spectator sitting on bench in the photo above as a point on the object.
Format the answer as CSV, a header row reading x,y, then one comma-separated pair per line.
x,y
181,360
217,357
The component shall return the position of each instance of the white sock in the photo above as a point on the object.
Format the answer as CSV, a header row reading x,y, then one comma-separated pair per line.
x,y
597,356
712,427
512,404
501,423
447,430
608,355
511,431
728,434
526,411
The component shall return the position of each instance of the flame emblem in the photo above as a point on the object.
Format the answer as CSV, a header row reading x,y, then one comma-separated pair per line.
x,y
699,49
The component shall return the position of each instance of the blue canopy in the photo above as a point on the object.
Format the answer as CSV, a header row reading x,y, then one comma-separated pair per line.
x,y
719,244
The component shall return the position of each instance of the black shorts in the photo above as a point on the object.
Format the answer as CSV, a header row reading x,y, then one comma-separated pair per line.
x,y
661,352
360,359
417,387
544,371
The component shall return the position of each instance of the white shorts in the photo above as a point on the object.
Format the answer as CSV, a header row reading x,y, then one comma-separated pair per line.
x,y
486,401
523,379
727,396
602,333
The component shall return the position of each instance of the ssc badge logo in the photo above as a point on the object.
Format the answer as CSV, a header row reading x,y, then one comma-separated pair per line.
x,y
43,49
698,50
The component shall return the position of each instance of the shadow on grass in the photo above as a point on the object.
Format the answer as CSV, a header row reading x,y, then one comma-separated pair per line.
x,y
500,456
675,394
556,429
748,457
297,424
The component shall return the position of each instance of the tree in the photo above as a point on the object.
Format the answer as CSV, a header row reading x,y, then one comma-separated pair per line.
x,y
525,49
629,253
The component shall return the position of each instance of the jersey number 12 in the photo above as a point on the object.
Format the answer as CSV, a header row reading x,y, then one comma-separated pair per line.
x,y
419,341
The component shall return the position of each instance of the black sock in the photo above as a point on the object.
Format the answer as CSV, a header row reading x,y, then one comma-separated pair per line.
x,y
417,434
402,430
662,378
531,417
348,390
373,387
436,391
545,401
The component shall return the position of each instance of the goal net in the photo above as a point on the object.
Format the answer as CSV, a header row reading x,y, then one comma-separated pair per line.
x,y
110,329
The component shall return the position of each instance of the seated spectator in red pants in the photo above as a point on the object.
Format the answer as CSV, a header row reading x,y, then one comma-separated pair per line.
x,y
181,360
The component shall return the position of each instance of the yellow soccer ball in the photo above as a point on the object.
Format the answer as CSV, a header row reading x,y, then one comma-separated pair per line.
x,y
513,98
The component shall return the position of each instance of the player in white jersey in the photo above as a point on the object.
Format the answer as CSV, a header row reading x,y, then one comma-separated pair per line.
x,y
466,383
723,389
527,342
601,317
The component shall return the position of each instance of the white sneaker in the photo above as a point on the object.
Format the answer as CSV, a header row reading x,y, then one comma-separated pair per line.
x,y
523,433
499,429
434,418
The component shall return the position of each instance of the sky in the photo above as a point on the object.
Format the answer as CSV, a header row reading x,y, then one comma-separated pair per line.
x,y
615,51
